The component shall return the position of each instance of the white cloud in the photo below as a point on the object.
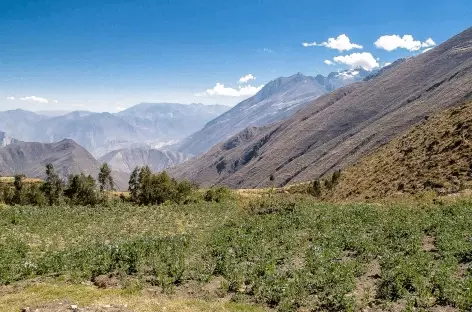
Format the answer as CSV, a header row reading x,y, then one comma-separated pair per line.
x,y
246,78
56,101
328,62
386,64
341,43
426,50
221,90
35,99
119,109
349,74
393,42
268,50
11,98
356,60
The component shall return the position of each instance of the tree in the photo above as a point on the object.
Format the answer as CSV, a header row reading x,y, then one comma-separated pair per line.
x,y
53,187
105,178
19,197
335,178
81,190
34,196
133,185
317,188
145,186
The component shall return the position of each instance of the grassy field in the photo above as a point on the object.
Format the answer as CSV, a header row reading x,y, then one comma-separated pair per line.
x,y
281,252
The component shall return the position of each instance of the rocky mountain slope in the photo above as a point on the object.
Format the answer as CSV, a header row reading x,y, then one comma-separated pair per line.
x,y
142,125
337,129
125,160
30,158
278,100
437,155
68,157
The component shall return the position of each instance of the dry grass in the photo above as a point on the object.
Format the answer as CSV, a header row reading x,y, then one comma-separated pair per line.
x,y
14,298
9,180
434,156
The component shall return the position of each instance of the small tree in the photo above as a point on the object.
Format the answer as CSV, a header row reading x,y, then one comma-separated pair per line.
x,y
105,178
145,186
53,187
34,196
335,177
133,185
19,197
81,190
317,188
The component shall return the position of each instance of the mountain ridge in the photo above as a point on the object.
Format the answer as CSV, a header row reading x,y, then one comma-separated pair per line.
x,y
338,128
277,100
104,132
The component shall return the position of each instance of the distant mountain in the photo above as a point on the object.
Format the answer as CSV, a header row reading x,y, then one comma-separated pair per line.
x,y
142,125
125,160
6,140
97,132
20,124
52,113
173,121
277,100
67,157
30,158
337,129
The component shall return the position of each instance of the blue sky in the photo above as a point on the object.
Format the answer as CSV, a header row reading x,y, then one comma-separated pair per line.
x,y
105,55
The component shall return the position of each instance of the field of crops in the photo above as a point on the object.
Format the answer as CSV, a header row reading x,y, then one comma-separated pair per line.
x,y
279,252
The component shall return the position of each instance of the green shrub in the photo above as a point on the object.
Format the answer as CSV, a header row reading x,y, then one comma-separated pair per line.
x,y
218,194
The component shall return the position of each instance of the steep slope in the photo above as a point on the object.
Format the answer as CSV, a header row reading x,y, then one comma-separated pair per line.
x,y
278,100
30,158
340,127
125,160
436,154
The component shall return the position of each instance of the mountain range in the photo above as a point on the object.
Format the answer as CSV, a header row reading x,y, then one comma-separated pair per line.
x,y
67,157
277,100
125,160
339,128
142,125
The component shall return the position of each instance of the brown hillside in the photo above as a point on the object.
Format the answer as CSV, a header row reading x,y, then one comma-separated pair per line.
x,y
339,128
436,154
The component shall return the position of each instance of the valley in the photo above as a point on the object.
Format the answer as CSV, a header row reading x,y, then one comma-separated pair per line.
x,y
282,157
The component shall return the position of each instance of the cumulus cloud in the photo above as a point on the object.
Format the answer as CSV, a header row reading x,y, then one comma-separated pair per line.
x,y
221,90
364,60
246,78
35,99
341,43
426,50
11,98
328,62
393,42
386,64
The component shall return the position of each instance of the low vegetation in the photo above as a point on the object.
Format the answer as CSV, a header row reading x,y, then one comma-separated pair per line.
x,y
435,155
286,253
